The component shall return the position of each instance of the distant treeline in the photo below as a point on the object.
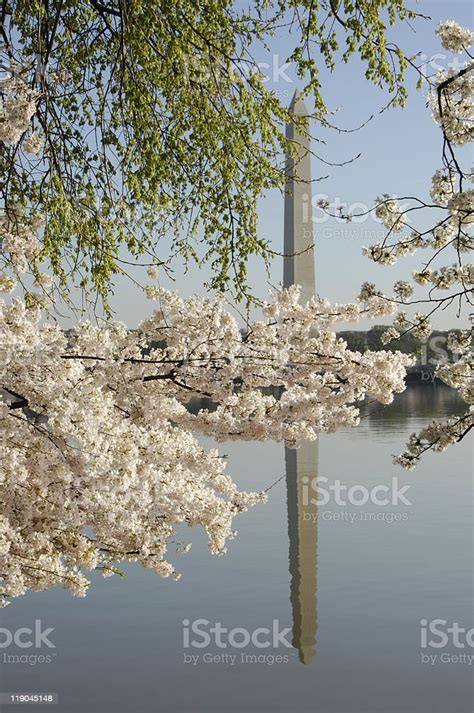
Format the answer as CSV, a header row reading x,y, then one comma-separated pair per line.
x,y
432,351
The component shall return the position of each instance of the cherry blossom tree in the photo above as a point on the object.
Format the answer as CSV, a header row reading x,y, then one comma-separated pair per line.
x,y
99,461
449,238
449,215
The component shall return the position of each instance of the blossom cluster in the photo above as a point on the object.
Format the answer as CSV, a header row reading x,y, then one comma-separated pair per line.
x,y
33,143
439,435
390,213
19,244
452,104
17,107
454,38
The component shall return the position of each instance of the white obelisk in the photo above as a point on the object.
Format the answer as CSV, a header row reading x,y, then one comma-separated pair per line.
x,y
298,261
301,464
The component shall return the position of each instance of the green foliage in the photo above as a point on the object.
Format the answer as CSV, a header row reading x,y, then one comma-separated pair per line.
x,y
160,134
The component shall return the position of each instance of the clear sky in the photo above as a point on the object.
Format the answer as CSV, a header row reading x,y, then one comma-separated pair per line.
x,y
400,150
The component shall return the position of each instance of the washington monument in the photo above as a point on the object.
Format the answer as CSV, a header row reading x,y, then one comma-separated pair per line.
x,y
298,261
301,465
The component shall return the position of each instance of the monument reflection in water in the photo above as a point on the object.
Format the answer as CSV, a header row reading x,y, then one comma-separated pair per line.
x,y
301,465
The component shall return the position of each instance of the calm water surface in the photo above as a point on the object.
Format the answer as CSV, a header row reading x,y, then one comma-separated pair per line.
x,y
351,582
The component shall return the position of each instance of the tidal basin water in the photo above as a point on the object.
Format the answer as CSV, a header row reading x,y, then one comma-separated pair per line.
x,y
347,591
